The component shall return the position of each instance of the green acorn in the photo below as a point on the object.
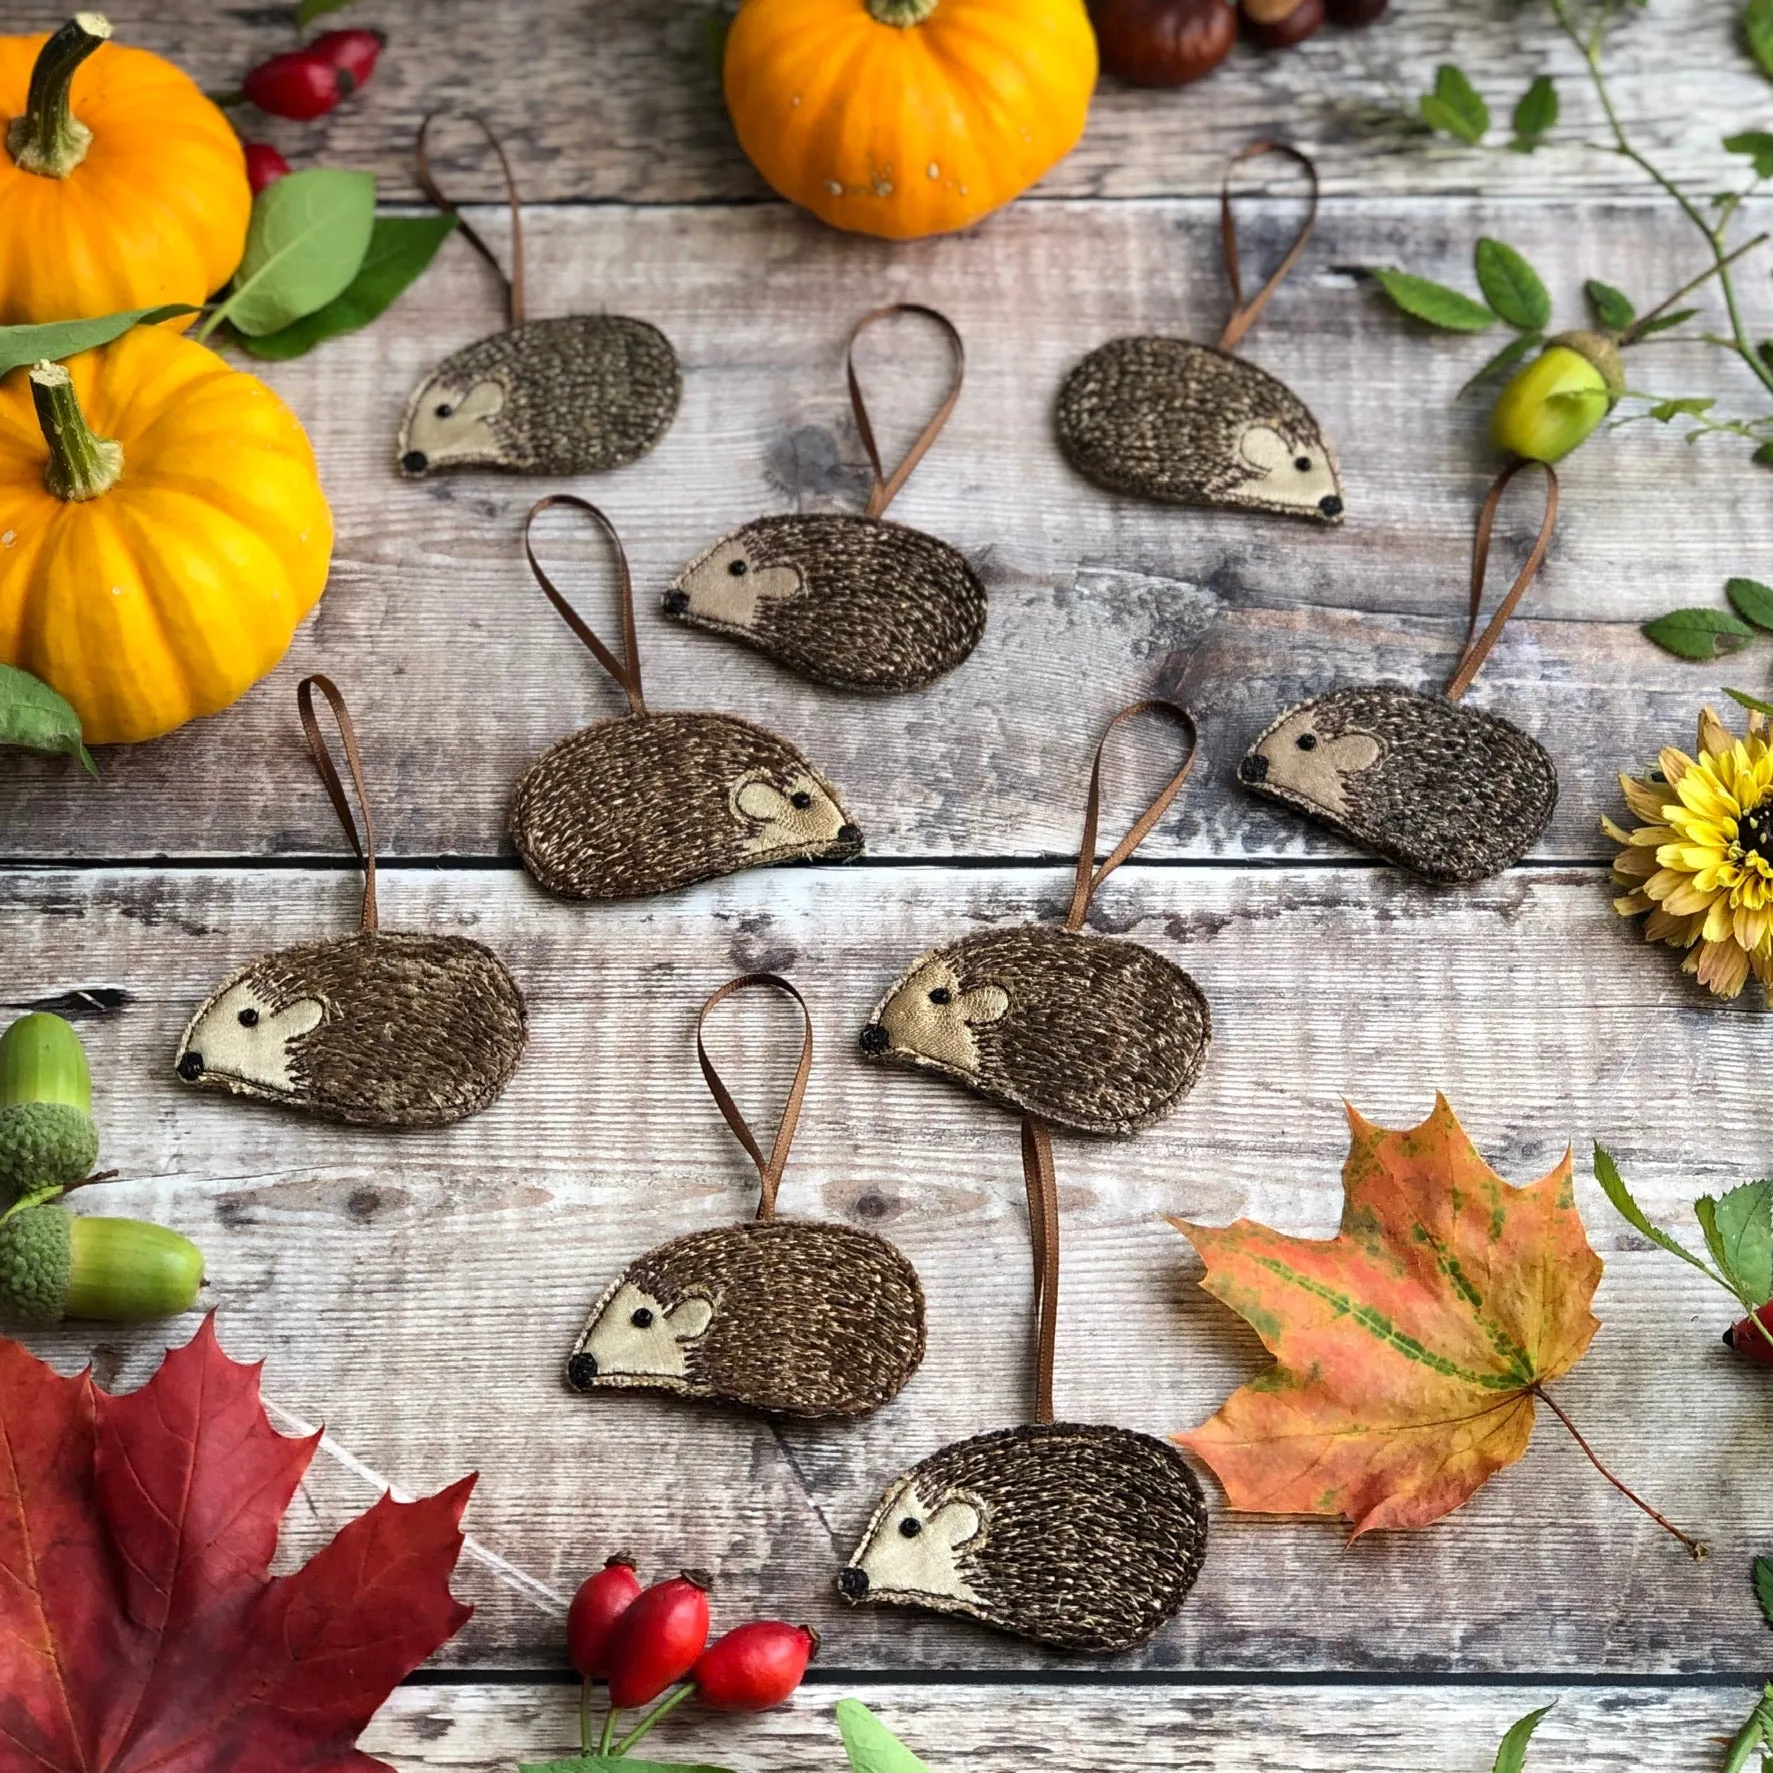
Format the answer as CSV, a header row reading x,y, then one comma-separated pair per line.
x,y
47,1136
1554,403
54,1265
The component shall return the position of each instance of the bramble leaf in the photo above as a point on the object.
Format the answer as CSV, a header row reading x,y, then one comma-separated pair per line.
x,y
1612,308
1455,107
1606,1172
1757,33
1699,634
1506,358
1751,600
1757,144
309,10
1511,286
1511,1757
1763,456
1738,1229
1536,113
1434,302
1764,1587
1666,322
1753,704
1684,406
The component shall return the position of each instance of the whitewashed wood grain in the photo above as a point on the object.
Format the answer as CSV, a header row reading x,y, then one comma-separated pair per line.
x,y
610,102
1009,1729
459,673
419,1293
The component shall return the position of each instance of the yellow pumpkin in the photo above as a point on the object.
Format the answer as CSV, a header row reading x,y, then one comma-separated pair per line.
x,y
162,531
121,185
908,117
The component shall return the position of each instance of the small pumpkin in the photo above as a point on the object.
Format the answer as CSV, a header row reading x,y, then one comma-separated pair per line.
x,y
902,118
121,185
162,531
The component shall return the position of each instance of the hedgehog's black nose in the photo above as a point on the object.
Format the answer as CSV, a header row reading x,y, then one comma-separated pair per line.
x,y
580,1371
849,835
1254,768
852,1582
415,461
191,1067
1330,505
676,602
875,1039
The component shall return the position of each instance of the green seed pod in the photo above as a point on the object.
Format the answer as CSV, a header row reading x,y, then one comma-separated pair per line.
x,y
53,1266
1555,402
47,1135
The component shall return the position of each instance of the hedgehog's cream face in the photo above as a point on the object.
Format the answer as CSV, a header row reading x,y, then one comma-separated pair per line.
x,y
912,1549
1296,761
1278,470
633,1339
931,1018
790,815
449,424
728,584
239,1041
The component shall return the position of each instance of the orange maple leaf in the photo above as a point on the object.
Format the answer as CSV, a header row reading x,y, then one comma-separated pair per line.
x,y
1410,1346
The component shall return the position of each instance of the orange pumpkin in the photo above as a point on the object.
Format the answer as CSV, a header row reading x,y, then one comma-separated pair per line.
x,y
908,117
121,185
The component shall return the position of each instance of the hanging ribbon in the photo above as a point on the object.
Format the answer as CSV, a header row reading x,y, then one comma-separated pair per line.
x,y
888,487
365,846
513,285
626,669
1477,646
1244,314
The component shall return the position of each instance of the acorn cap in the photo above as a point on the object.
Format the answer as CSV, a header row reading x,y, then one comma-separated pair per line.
x,y
44,1145
1601,351
36,1254
53,1265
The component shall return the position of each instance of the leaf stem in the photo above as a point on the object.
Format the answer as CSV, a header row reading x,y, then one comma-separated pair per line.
x,y
1632,332
609,1729
585,1718
656,1715
1697,1547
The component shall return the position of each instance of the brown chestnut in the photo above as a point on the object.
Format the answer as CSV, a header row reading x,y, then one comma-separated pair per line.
x,y
1292,27
1163,42
1357,14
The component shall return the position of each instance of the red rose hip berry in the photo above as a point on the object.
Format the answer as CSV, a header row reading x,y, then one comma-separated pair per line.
x,y
657,1639
296,84
353,53
264,166
591,1620
754,1666
1748,1341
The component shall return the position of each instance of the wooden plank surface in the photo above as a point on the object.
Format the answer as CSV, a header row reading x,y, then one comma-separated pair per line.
x,y
610,102
459,673
418,1294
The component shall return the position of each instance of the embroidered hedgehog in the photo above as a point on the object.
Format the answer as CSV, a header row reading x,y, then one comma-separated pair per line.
x,y
1450,793
1097,1035
570,396
651,802
851,601
1186,424
382,1029
791,1316
1087,1538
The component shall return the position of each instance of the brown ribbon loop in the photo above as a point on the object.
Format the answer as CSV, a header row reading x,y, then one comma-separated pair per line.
x,y
513,285
1043,1234
626,669
1087,881
1244,315
888,487
364,846
769,1170
1477,646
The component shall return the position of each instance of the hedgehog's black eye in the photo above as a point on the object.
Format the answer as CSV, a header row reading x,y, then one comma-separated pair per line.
x,y
1307,741
444,410
800,799
739,568
911,1526
941,994
642,1319
1302,463
249,1018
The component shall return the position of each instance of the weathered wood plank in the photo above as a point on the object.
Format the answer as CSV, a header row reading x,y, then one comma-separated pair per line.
x,y
460,674
1223,1728
611,102
419,1294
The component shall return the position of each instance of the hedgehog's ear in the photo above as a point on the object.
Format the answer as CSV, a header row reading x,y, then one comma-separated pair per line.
x,y
688,1320
956,1523
761,800
1264,449
299,1018
983,1004
484,400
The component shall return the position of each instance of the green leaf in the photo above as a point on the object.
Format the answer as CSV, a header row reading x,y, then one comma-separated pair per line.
x,y
400,247
1764,1587
1612,309
1511,286
1751,1735
613,1764
1606,1172
1684,406
1666,322
1535,114
870,1745
310,10
1757,33
1757,144
1754,704
1763,457
64,338
1511,1757
1751,600
1506,358
34,718
1699,633
1435,302
1738,1229
1454,107
308,236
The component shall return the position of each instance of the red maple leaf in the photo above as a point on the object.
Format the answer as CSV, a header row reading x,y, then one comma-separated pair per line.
x,y
139,1631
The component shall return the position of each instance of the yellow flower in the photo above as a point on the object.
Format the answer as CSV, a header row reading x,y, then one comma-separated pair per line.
x,y
1701,864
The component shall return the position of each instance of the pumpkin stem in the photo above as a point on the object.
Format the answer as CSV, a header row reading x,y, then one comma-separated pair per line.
x,y
901,14
49,139
80,465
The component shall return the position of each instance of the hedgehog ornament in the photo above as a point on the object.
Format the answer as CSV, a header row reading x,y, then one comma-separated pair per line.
x,y
646,802
384,1028
1093,1033
1188,424
855,602
793,1317
1080,1536
1443,790
576,395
